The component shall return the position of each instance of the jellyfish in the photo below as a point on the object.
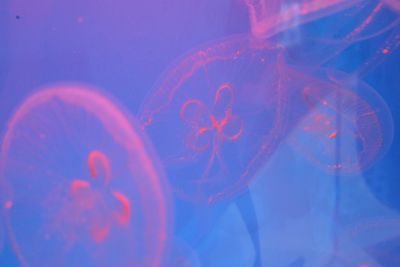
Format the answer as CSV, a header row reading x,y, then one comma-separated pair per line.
x,y
81,183
216,115
347,127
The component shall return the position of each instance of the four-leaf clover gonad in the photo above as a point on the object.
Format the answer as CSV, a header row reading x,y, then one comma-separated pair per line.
x,y
89,206
210,128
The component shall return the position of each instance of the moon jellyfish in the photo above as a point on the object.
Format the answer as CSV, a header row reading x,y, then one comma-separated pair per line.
x,y
216,115
82,185
345,126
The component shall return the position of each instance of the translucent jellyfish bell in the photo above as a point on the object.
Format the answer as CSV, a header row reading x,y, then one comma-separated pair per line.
x,y
83,188
344,125
216,115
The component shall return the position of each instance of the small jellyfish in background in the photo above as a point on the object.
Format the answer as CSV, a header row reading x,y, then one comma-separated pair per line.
x,y
216,115
81,184
346,126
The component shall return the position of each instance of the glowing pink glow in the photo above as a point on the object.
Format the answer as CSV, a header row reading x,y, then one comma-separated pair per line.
x,y
100,234
82,167
225,103
98,158
124,216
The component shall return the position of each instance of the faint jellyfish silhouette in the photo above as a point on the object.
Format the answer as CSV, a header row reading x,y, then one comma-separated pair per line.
x,y
216,115
347,127
84,189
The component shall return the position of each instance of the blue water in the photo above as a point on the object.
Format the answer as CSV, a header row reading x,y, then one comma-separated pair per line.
x,y
295,207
